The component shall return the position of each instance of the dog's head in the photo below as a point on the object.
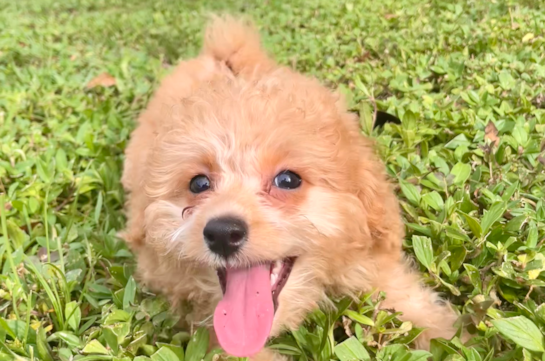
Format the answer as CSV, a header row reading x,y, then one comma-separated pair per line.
x,y
262,175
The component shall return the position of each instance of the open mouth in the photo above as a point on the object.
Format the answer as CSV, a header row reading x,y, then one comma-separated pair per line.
x,y
244,317
279,273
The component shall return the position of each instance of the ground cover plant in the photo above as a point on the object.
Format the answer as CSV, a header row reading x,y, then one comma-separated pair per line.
x,y
466,78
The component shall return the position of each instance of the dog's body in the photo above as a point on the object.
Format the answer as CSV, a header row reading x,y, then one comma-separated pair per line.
x,y
232,137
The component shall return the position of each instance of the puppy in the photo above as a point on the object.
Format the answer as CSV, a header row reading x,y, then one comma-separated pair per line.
x,y
252,196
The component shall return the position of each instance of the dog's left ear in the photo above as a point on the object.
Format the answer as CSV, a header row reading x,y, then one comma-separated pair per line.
x,y
382,213
236,43
380,203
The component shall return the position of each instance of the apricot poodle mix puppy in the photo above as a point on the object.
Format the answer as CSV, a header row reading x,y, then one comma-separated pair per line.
x,y
253,196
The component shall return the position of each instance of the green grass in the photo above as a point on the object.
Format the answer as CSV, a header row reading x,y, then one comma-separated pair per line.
x,y
472,196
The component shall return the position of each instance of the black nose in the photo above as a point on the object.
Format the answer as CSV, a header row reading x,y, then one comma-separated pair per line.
x,y
225,235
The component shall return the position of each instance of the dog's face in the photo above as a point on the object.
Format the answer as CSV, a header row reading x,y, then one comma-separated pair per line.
x,y
268,182
254,173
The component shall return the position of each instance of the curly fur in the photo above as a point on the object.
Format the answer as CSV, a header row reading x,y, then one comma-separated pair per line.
x,y
234,114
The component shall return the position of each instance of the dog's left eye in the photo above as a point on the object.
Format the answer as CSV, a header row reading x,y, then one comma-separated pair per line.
x,y
287,180
199,184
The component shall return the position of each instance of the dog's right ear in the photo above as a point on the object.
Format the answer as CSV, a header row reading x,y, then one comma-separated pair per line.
x,y
236,43
380,203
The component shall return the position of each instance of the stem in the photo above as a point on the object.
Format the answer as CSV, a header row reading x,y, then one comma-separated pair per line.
x,y
9,252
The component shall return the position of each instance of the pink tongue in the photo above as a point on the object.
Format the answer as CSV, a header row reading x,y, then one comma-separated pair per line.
x,y
244,317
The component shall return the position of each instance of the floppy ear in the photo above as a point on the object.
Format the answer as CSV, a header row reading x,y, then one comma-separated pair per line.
x,y
236,43
375,193
378,198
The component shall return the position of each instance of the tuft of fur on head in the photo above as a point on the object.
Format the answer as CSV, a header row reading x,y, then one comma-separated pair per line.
x,y
235,43
237,117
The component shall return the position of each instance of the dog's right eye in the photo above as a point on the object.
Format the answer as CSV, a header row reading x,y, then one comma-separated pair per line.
x,y
199,184
287,180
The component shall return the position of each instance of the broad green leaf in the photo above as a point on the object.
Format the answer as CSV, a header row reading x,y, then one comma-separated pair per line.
x,y
164,354
471,354
154,306
117,272
455,291
4,326
423,250
458,141
411,192
456,233
361,87
117,316
178,350
474,276
67,337
118,297
181,338
351,350
457,257
540,313
148,350
198,345
353,315
286,349
43,348
531,240
138,340
43,171
521,331
417,355
17,236
211,356
73,312
358,330
506,80
20,329
366,118
473,224
506,196
60,160
130,292
420,229
520,135
392,352
111,338
434,200
98,207
461,173
95,347
65,354
119,330
492,215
